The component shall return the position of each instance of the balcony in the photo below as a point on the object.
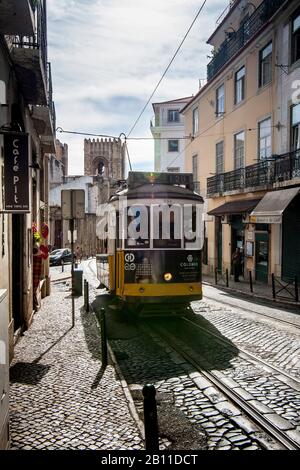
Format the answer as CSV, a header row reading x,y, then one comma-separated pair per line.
x,y
29,55
16,17
232,46
266,174
44,117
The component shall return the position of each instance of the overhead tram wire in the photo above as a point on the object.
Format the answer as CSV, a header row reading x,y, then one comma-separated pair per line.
x,y
167,68
61,130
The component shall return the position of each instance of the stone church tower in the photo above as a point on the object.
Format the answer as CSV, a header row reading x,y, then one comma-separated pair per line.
x,y
104,157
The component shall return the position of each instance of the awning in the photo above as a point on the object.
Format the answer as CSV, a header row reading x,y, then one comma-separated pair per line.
x,y
270,209
235,207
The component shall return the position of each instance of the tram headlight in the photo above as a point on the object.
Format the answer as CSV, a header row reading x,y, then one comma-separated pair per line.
x,y
168,277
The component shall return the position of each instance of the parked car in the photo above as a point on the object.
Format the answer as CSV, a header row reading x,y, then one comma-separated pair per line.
x,y
61,255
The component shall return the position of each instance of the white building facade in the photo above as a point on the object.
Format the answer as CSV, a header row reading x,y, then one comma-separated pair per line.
x,y
170,141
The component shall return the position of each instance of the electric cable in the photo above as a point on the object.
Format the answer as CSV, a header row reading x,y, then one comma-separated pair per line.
x,y
167,68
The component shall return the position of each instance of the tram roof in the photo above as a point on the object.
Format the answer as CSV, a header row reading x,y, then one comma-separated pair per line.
x,y
157,191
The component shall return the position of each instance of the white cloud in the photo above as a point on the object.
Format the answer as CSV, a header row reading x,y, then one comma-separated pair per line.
x,y
108,55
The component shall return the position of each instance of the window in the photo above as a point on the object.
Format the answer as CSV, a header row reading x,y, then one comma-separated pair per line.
x,y
295,37
174,169
195,167
264,139
173,145
265,65
239,85
195,121
220,157
220,101
239,150
295,121
173,115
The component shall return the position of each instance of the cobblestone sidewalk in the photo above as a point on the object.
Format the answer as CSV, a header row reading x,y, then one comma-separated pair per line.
x,y
59,397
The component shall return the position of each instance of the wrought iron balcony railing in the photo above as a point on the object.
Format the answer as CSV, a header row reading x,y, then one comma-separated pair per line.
x,y
50,96
287,166
263,174
39,40
237,40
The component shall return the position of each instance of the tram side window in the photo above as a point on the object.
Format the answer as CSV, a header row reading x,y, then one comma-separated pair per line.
x,y
138,230
190,229
173,241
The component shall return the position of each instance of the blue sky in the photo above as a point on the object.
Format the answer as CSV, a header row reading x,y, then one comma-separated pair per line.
x,y
107,56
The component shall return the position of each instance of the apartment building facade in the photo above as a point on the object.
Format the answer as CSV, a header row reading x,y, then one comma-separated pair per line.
x,y
167,129
27,121
247,147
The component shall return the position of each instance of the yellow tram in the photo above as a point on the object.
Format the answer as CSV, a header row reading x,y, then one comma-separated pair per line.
x,y
151,230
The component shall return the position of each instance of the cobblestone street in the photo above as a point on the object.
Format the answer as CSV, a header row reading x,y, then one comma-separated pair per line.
x,y
62,399
59,397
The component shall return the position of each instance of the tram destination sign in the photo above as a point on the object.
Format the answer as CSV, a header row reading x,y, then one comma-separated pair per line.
x,y
16,173
136,178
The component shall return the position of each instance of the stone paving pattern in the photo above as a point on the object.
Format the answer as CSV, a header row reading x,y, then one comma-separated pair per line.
x,y
271,343
171,377
60,397
257,382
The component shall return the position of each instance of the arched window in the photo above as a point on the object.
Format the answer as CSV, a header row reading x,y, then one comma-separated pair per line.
x,y
100,166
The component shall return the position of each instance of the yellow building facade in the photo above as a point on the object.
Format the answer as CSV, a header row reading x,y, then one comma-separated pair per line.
x,y
246,140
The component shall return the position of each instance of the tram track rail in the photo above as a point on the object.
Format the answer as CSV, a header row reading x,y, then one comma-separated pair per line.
x,y
246,354
247,408
266,304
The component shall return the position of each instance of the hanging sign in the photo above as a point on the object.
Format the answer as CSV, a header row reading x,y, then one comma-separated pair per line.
x,y
16,174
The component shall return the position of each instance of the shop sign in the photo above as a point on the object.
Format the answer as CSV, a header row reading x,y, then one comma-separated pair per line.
x,y
16,174
266,219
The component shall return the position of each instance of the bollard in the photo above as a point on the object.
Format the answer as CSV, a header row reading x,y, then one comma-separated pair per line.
x,y
296,290
103,338
251,283
216,276
227,278
62,265
273,286
150,419
86,296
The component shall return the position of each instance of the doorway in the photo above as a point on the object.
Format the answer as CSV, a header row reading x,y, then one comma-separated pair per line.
x,y
237,239
219,241
262,257
17,269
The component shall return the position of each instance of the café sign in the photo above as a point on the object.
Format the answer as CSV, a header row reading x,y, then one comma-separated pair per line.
x,y
16,174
